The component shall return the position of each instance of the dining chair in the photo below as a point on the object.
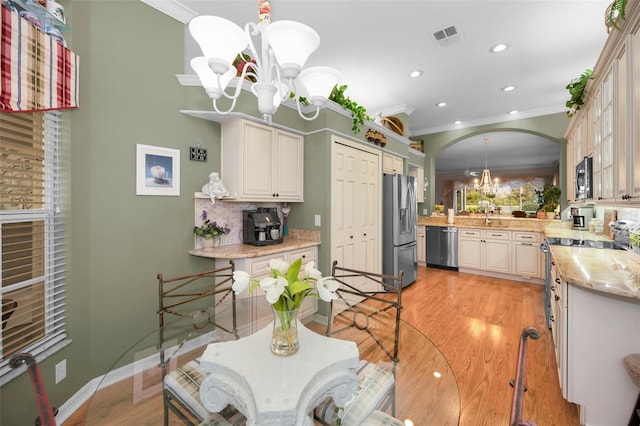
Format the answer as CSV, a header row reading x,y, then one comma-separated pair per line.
x,y
367,309
192,301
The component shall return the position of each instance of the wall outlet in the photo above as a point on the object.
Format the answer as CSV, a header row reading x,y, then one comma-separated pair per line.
x,y
425,212
317,220
61,371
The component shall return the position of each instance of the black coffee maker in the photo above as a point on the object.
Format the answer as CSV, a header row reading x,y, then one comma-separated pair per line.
x,y
261,227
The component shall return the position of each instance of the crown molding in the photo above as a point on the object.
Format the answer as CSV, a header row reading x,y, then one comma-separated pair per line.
x,y
173,8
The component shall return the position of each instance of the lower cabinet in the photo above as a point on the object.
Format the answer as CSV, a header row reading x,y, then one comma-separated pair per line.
x,y
514,253
258,314
595,334
487,250
422,245
527,257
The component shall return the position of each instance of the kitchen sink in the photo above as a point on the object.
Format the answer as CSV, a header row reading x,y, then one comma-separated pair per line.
x,y
554,241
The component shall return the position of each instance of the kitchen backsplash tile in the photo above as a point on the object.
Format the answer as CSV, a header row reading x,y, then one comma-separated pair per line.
x,y
229,215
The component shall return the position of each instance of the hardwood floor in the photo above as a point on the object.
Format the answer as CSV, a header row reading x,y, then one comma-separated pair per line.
x,y
476,322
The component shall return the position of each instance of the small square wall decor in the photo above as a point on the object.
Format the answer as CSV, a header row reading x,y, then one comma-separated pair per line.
x,y
157,170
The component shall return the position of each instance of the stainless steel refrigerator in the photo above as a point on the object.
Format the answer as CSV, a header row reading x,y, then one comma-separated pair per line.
x,y
399,219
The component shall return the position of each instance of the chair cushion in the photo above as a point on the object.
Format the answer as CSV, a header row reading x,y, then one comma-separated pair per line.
x,y
184,384
215,419
374,383
381,418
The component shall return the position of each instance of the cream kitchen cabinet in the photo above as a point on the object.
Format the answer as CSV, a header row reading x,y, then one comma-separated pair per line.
x,y
259,313
418,174
261,163
422,245
527,257
392,163
485,249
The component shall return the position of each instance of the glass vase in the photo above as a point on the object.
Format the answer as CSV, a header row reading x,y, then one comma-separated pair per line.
x,y
284,339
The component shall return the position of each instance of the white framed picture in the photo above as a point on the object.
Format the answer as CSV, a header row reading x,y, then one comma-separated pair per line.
x,y
157,170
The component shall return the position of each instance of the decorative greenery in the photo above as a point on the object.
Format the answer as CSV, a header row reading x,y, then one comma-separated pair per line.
x,y
210,229
576,90
358,112
615,13
286,286
634,238
551,196
549,207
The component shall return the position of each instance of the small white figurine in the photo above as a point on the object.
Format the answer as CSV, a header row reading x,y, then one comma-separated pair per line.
x,y
214,188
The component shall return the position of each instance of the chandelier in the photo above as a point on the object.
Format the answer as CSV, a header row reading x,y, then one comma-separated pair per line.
x,y
485,185
275,70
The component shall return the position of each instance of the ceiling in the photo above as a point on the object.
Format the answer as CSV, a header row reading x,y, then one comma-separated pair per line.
x,y
376,44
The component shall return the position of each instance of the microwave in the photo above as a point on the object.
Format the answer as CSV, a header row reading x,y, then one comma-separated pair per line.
x,y
584,179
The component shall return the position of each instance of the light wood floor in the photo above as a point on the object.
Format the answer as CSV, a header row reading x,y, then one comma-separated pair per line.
x,y
476,322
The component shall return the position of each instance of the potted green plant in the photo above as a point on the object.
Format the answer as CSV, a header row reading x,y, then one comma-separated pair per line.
x,y
551,199
209,232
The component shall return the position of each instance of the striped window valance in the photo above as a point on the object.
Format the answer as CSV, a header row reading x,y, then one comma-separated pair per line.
x,y
38,73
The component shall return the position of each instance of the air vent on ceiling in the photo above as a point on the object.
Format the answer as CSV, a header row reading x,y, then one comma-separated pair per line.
x,y
447,35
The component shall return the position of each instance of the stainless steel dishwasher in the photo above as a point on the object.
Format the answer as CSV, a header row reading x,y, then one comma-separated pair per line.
x,y
442,247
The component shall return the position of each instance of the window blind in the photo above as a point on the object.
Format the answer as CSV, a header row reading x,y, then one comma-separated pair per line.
x,y
32,228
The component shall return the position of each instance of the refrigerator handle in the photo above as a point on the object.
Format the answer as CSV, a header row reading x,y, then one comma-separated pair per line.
x,y
413,205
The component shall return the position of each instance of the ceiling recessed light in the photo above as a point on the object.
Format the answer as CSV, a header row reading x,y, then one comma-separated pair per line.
x,y
457,122
515,111
441,104
416,73
508,88
500,47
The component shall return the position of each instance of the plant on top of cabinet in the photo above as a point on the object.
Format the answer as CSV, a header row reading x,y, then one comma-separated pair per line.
x,y
615,13
358,112
576,90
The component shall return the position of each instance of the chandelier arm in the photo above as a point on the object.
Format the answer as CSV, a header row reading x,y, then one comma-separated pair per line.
x,y
304,116
233,104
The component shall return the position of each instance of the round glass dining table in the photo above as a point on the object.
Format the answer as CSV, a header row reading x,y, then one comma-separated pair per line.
x,y
131,392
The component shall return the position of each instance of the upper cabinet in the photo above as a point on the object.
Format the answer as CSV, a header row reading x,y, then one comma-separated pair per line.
x,y
261,163
607,127
418,173
392,163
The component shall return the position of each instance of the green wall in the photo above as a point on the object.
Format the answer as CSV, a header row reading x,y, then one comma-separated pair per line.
x,y
129,56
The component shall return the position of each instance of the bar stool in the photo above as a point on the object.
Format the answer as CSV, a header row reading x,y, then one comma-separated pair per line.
x,y
632,363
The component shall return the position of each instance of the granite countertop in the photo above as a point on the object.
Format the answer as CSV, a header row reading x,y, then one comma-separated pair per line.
x,y
243,251
609,271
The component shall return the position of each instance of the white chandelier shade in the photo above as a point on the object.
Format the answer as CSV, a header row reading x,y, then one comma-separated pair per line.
x,y
292,44
276,68
219,39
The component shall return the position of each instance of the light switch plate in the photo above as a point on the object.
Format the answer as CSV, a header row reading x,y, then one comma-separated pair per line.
x,y
317,220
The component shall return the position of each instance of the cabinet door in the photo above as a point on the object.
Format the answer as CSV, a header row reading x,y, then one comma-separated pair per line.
x,y
621,134
607,144
257,151
634,185
497,256
420,237
470,253
526,259
392,164
418,174
288,167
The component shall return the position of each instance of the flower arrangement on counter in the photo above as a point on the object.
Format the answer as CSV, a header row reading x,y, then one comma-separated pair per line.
x,y
287,286
209,230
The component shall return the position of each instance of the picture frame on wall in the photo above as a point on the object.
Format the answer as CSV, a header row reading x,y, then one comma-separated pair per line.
x,y
157,170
